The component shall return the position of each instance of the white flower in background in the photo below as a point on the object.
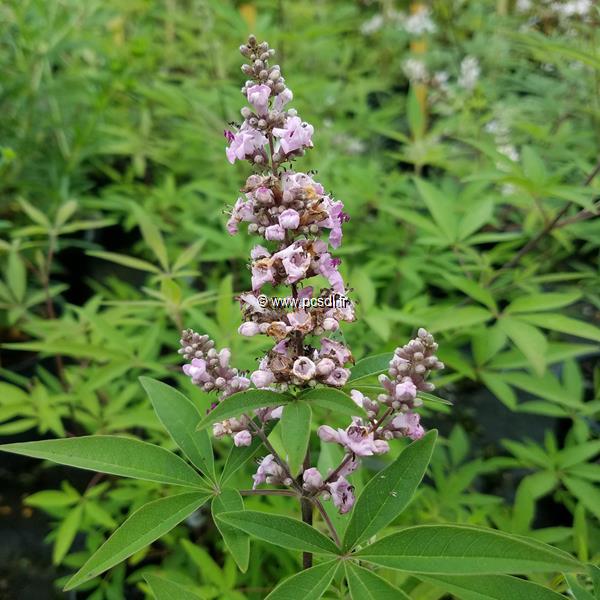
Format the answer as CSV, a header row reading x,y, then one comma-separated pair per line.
x,y
509,151
524,5
575,8
415,70
419,22
469,73
501,133
374,24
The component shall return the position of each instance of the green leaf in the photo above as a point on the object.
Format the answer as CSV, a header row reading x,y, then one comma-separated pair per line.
x,y
152,236
563,324
16,276
372,365
462,550
533,166
577,590
179,417
491,587
165,589
239,456
113,455
528,339
366,585
331,399
473,289
586,493
281,531
309,584
140,529
237,542
458,318
295,433
36,215
243,402
66,534
539,302
50,499
578,454
126,261
440,207
389,492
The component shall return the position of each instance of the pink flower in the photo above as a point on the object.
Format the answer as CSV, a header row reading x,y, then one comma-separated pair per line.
x,y
359,440
338,377
269,471
196,370
342,494
328,434
274,233
295,135
304,368
328,268
262,267
282,99
295,261
289,219
300,320
312,480
262,379
335,350
325,367
246,142
242,438
408,424
258,96
248,329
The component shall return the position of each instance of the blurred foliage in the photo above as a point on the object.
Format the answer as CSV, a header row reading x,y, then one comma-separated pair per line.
x,y
471,215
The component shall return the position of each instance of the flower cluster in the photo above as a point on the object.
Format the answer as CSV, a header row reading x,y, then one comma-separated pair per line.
x,y
390,416
299,222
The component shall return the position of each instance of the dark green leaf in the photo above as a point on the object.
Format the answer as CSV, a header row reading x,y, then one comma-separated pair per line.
x,y
295,433
366,585
281,531
310,584
143,527
389,492
180,416
113,455
372,365
237,541
165,589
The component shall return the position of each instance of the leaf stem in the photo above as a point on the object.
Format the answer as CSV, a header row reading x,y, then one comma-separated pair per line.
x,y
327,520
270,492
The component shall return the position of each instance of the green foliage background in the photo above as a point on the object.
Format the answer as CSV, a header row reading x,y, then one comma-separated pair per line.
x,y
113,183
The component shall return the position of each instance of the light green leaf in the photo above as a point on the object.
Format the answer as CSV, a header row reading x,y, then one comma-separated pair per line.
x,y
66,534
237,541
295,433
16,276
539,302
533,166
50,499
332,399
528,339
473,289
366,585
389,492
578,454
487,342
126,261
440,207
281,531
458,318
372,365
586,493
563,324
165,589
180,417
491,587
463,550
310,584
243,402
143,527
152,236
36,215
113,455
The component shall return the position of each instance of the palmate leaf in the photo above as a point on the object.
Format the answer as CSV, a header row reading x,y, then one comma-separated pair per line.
x,y
180,417
244,402
389,492
142,528
491,587
165,589
295,433
310,584
114,455
462,550
281,531
236,540
366,585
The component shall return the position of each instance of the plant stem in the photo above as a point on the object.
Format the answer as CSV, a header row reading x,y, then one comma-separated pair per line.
x,y
327,520
272,492
307,516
